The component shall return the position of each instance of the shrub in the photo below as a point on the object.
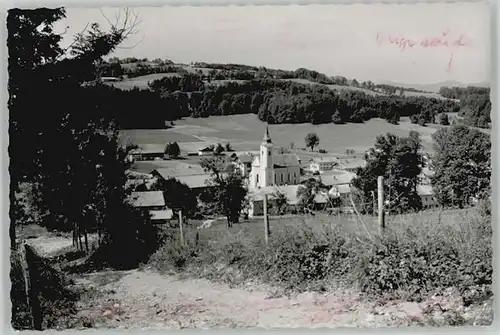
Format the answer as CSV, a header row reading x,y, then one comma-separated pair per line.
x,y
418,260
57,301
419,255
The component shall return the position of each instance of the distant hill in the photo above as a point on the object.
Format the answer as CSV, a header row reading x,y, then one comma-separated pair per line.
x,y
436,86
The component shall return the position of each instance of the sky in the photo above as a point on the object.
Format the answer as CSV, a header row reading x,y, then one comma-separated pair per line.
x,y
356,41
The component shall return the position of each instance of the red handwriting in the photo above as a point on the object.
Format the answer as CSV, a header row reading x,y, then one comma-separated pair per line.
x,y
444,40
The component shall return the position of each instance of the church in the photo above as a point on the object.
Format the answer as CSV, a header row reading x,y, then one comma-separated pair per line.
x,y
270,168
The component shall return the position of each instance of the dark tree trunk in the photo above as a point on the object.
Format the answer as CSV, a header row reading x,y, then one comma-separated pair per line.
x,y
80,242
85,234
99,235
75,242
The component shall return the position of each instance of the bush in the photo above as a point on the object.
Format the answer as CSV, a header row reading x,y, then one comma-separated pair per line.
x,y
429,258
57,301
417,256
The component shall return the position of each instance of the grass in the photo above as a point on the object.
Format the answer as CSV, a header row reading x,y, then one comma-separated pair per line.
x,y
418,255
141,81
245,132
154,136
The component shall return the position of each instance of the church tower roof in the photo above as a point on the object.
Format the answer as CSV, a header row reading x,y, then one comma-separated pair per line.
x,y
267,138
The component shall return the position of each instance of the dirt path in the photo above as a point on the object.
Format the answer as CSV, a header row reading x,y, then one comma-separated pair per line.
x,y
147,300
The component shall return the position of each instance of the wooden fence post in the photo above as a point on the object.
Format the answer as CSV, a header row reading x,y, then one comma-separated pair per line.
x,y
32,285
181,228
266,220
381,219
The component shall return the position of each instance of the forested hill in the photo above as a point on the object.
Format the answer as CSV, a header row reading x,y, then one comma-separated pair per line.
x,y
475,104
276,96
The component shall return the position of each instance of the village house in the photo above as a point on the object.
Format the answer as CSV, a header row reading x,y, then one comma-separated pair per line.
x,y
206,151
191,175
152,202
426,195
350,165
147,152
322,164
177,169
270,168
244,164
336,178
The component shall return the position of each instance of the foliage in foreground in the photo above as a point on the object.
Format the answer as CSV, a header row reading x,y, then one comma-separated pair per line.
x,y
416,257
57,301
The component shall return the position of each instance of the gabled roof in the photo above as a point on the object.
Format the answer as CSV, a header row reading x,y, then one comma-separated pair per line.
x,y
286,160
245,158
343,188
147,199
351,163
194,181
166,214
424,190
179,169
150,148
324,160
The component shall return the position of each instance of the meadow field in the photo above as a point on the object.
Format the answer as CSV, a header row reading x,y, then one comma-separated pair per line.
x,y
245,132
140,82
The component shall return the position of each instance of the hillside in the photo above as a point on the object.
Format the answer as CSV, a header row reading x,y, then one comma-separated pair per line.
x,y
223,73
434,87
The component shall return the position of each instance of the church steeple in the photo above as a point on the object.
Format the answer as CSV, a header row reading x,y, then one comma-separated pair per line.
x,y
267,138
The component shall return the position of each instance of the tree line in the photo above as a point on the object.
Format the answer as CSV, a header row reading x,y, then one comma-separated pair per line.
x,y
475,104
115,67
273,101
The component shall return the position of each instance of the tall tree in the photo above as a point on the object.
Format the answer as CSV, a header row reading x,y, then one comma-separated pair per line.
x,y
462,165
399,160
69,149
227,190
177,196
172,150
312,140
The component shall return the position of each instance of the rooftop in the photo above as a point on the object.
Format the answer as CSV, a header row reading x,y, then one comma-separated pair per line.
x,y
162,215
335,179
178,169
351,163
195,181
324,160
343,188
147,199
424,190
245,158
149,149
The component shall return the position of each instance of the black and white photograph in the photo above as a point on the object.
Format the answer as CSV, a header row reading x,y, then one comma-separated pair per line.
x,y
258,166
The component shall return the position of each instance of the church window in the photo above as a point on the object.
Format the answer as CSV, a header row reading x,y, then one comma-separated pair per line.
x,y
288,176
275,179
281,177
269,153
257,179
